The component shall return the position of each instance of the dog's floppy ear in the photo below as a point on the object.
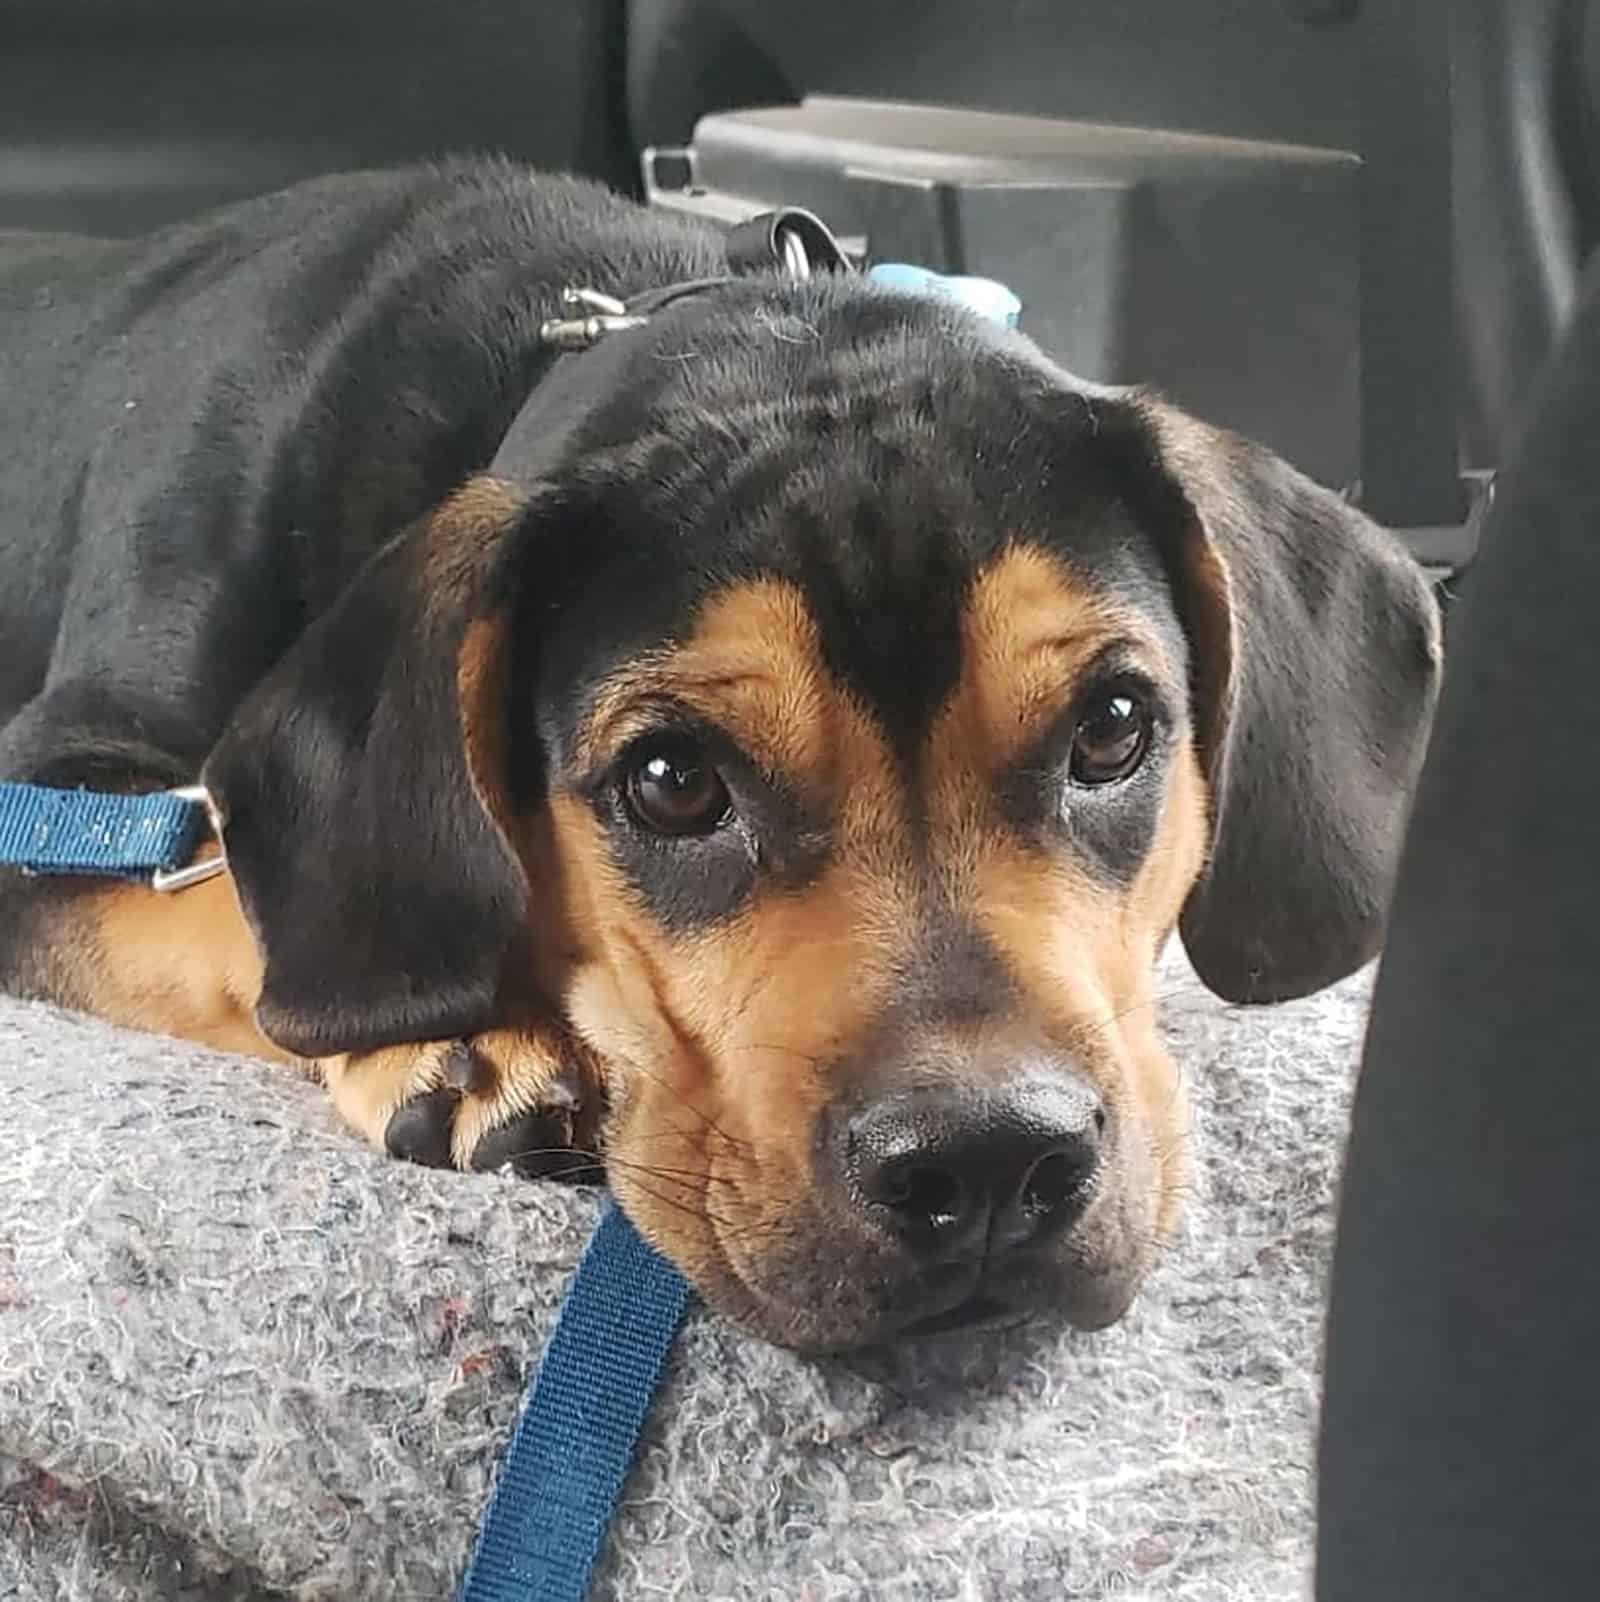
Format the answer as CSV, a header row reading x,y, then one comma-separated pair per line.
x,y
1316,652
359,788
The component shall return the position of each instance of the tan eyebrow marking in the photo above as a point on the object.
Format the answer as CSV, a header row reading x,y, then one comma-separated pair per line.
x,y
1029,630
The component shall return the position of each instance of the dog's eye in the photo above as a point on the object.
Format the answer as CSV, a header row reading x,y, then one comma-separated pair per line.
x,y
1111,738
674,789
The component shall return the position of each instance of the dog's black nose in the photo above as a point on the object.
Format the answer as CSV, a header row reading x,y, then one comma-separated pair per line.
x,y
959,1170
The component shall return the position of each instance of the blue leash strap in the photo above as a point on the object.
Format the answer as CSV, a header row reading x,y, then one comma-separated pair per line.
x,y
86,832
574,1444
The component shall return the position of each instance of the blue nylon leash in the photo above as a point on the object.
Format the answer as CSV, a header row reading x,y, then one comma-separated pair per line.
x,y
574,1444
569,1457
85,832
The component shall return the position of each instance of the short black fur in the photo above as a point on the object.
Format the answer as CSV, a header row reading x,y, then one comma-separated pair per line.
x,y
220,442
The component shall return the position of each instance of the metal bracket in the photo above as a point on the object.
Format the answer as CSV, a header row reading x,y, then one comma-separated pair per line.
x,y
168,880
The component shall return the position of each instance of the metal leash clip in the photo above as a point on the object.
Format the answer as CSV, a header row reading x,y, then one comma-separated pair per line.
x,y
166,880
601,315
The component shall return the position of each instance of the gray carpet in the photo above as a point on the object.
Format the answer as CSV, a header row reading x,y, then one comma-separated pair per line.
x,y
242,1358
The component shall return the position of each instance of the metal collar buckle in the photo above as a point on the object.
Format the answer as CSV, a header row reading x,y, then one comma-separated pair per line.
x,y
167,880
601,315
792,241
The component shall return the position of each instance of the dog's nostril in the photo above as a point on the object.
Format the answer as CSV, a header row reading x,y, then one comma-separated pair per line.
x,y
1099,1120
930,1196
1055,1181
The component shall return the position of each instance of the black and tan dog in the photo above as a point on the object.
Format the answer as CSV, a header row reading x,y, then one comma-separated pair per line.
x,y
771,747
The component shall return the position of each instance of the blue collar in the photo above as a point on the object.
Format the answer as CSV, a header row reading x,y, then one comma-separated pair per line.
x,y
148,838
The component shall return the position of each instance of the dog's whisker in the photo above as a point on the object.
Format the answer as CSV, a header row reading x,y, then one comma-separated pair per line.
x,y
664,1083
584,1158
1088,1027
728,1229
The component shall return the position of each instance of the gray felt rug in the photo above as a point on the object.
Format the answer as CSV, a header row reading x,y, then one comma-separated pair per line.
x,y
242,1358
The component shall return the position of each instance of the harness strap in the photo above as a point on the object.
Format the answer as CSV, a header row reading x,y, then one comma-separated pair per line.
x,y
574,1444
44,830
790,241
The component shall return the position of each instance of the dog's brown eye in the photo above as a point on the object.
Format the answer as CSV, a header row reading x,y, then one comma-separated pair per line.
x,y
1111,738
676,791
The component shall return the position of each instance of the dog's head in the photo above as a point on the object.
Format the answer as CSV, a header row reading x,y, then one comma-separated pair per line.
x,y
833,708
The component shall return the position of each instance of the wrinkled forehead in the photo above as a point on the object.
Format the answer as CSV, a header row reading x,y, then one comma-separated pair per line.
x,y
825,684
924,510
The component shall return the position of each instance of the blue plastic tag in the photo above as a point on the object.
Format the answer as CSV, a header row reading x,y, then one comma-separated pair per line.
x,y
990,300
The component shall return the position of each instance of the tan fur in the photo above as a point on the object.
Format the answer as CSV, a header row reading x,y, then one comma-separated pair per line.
x,y
721,1043
753,666
1086,960
465,536
718,1044
513,1071
1083,953
1027,632
481,670
534,1062
183,963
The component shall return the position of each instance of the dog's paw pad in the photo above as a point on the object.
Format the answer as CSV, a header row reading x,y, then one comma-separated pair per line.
x,y
537,1145
522,1100
420,1130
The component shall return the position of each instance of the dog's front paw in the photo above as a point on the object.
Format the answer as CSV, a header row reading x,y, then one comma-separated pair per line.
x,y
528,1100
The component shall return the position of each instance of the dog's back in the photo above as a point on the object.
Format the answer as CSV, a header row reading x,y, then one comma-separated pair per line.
x,y
233,414
50,285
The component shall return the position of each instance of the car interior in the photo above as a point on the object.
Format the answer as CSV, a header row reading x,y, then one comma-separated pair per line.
x,y
1361,231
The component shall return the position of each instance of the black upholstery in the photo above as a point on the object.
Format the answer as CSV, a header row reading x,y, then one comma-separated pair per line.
x,y
1584,66
117,115
1460,1445
1520,184
1248,68
1409,379
1503,93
